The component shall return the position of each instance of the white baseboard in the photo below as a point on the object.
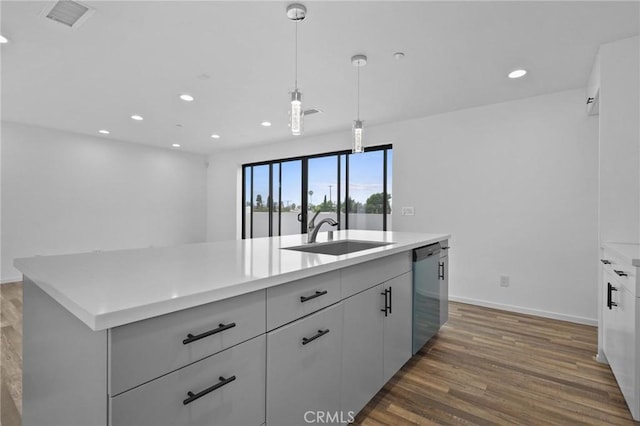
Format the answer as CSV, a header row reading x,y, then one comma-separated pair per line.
x,y
11,280
528,311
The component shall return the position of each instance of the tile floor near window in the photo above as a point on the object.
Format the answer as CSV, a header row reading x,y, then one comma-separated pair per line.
x,y
484,367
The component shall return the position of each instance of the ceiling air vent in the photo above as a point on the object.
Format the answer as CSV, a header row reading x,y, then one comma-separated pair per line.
x,y
67,12
312,111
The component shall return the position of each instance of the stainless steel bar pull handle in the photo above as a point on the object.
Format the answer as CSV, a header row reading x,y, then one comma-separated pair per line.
x,y
221,383
221,327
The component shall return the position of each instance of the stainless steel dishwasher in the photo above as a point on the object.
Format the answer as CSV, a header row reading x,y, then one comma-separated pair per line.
x,y
426,294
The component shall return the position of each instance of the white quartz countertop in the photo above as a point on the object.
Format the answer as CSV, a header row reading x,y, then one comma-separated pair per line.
x,y
112,288
630,252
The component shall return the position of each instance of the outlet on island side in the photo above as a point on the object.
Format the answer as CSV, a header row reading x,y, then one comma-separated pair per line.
x,y
504,280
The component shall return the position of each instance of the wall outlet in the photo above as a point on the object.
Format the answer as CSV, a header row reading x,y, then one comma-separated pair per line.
x,y
407,211
504,280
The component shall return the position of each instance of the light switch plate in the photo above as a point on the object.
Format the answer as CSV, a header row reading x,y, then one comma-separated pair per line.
x,y
407,211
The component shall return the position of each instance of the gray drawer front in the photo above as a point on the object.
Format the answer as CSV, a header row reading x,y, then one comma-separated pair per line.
x,y
360,277
240,402
304,377
147,349
284,303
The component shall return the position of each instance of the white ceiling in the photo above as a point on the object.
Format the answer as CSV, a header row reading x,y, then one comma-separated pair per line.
x,y
137,57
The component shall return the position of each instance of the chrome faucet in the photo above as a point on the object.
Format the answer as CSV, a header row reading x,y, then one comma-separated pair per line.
x,y
312,228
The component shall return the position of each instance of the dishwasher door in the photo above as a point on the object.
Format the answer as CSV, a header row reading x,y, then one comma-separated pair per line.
x,y
426,295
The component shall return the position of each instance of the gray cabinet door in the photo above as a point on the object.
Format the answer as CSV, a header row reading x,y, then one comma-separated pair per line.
x,y
231,384
362,348
303,368
397,325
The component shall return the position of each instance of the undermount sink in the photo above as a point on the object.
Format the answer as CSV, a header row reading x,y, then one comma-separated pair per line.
x,y
337,248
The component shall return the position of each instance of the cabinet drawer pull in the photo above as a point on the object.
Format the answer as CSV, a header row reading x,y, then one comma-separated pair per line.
x,y
605,261
620,273
386,309
445,248
221,327
221,383
390,301
313,296
320,333
441,270
610,302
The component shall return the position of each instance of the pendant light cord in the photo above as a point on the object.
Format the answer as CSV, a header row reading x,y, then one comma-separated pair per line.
x,y
296,55
358,104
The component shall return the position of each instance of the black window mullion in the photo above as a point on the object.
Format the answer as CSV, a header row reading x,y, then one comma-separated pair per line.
x,y
384,190
244,200
270,200
338,194
305,190
346,191
251,203
280,199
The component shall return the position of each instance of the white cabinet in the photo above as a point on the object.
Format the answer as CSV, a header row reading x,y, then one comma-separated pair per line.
x,y
621,325
376,339
303,368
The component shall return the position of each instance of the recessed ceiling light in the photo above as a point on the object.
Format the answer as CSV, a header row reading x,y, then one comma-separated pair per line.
x,y
398,56
3,39
266,123
137,117
517,73
175,145
215,136
104,132
187,98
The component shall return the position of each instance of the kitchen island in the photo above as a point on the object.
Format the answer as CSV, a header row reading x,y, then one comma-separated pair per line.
x,y
240,332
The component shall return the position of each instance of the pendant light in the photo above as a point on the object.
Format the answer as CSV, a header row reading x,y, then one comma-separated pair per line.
x,y
358,61
296,12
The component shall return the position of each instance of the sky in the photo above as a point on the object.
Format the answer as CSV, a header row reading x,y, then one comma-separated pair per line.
x,y
365,175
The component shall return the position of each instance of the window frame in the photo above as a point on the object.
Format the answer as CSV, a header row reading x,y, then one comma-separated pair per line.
x,y
304,188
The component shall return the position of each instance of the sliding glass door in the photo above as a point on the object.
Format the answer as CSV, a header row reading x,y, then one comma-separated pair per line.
x,y
281,196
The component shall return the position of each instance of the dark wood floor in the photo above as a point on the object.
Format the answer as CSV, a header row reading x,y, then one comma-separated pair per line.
x,y
484,367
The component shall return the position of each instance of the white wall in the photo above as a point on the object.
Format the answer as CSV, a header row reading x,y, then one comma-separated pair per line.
x,y
620,141
515,183
65,193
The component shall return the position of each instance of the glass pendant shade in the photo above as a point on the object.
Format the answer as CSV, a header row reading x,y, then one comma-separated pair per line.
x,y
296,113
357,136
